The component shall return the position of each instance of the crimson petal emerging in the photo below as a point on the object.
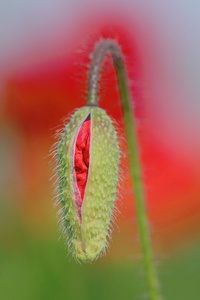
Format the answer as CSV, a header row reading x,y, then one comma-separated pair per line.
x,y
88,165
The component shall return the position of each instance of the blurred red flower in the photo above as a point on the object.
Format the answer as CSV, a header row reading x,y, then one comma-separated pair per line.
x,y
39,96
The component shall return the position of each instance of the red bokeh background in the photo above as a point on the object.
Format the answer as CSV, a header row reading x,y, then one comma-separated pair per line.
x,y
39,96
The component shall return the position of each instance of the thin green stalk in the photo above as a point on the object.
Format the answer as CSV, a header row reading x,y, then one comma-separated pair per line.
x,y
104,47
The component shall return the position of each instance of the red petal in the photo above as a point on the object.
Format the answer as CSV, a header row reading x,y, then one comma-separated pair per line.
x,y
81,160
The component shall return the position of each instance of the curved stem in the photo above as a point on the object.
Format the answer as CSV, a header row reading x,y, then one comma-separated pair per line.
x,y
109,46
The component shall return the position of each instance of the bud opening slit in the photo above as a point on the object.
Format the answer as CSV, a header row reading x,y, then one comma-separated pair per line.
x,y
82,161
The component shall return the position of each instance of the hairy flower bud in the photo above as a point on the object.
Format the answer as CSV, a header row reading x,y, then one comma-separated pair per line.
x,y
88,164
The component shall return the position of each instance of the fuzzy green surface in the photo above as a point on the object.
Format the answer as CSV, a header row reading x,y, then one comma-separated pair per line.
x,y
100,191
69,219
87,239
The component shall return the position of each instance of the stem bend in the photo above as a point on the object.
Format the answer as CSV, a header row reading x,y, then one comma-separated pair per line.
x,y
104,47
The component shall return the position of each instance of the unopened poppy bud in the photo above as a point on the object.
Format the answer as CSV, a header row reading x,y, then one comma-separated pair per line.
x,y
88,164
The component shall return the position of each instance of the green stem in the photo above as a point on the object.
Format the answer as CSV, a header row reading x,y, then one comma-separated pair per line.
x,y
104,47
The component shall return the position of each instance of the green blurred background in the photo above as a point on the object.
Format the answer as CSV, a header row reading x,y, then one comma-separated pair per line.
x,y
34,267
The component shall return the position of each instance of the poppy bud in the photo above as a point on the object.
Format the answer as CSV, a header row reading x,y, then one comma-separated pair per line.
x,y
88,164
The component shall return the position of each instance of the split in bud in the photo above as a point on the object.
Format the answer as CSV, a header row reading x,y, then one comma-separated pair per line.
x,y
88,165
